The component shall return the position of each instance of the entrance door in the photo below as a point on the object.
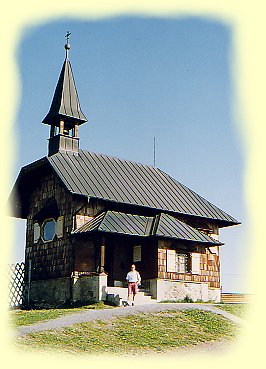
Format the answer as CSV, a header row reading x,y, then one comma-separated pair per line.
x,y
118,261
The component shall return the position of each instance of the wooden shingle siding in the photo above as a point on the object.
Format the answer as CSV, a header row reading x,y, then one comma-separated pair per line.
x,y
85,256
54,258
209,266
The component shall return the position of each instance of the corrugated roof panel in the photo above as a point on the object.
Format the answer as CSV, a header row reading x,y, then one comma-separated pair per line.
x,y
127,182
204,207
89,175
59,164
122,176
136,225
168,198
173,228
134,180
109,174
124,223
97,177
187,198
75,173
116,222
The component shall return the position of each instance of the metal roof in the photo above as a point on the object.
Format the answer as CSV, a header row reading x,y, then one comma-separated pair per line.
x,y
164,225
122,181
169,226
117,222
65,102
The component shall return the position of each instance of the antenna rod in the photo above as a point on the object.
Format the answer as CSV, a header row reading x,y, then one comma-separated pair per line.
x,y
154,151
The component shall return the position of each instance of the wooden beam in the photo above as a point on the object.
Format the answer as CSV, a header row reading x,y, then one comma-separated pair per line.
x,y
102,255
76,130
61,127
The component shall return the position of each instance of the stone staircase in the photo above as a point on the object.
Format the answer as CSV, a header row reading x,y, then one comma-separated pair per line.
x,y
118,296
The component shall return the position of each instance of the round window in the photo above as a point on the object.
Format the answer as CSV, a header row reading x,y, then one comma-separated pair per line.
x,y
49,230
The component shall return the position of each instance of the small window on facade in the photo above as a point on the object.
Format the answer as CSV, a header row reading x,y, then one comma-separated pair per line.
x,y
177,262
181,263
48,230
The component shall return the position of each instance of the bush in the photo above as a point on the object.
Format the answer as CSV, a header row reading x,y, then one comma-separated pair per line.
x,y
188,299
185,299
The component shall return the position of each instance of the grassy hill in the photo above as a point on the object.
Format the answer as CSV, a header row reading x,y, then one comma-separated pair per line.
x,y
142,333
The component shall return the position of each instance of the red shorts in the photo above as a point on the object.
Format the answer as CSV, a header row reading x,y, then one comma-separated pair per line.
x,y
132,288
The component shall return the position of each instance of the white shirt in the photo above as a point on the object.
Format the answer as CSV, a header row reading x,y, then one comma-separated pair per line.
x,y
133,276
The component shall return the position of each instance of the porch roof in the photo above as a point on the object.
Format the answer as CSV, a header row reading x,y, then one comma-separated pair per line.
x,y
162,225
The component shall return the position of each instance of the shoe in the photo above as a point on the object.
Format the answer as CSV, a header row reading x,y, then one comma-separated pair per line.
x,y
132,303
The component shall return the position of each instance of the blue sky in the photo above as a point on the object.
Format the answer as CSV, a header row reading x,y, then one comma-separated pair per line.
x,y
140,78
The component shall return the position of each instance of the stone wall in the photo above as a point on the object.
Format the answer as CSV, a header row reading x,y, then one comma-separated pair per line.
x,y
83,289
164,289
89,288
51,291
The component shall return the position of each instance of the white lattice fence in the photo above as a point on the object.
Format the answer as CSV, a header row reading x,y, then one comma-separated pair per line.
x,y
16,284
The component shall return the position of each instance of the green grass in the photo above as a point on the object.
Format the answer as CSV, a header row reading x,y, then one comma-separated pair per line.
x,y
141,333
26,317
239,310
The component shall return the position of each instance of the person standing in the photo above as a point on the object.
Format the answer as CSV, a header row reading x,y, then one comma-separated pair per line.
x,y
133,280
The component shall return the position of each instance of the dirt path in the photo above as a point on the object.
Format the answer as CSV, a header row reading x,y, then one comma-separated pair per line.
x,y
106,314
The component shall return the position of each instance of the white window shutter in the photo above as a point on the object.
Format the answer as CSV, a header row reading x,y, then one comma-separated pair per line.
x,y
195,263
59,227
170,260
36,232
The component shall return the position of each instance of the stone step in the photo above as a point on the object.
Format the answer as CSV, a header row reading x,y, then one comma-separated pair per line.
x,y
119,296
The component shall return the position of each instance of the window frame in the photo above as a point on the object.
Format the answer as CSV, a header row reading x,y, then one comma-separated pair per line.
x,y
184,264
42,229
173,262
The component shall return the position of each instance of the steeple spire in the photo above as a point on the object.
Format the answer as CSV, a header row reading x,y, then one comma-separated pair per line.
x,y
65,112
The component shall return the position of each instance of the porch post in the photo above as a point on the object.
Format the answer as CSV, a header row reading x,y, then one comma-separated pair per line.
x,y
102,255
61,127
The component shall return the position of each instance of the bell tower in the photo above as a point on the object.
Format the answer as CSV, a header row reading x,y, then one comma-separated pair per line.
x,y
65,115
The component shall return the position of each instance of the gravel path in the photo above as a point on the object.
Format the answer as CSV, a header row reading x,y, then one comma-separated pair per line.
x,y
106,314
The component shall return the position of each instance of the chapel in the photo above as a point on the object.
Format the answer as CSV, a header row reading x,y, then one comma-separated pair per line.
x,y
90,216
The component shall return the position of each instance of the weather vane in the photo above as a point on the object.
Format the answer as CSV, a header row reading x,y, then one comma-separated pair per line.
x,y
67,45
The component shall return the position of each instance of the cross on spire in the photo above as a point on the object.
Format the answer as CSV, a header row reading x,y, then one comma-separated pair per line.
x,y
67,36
67,45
